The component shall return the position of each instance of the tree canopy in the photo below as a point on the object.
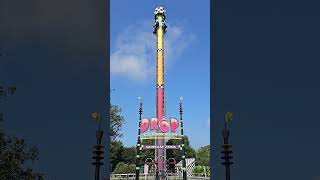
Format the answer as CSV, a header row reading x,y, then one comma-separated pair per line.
x,y
14,155
116,151
119,153
116,121
203,156
176,153
123,168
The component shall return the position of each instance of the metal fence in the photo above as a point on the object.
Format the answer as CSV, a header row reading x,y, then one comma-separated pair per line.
x,y
170,176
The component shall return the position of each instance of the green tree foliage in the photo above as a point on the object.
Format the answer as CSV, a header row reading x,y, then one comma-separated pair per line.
x,y
116,146
129,154
198,170
116,151
208,170
116,121
120,168
176,153
201,170
14,155
119,153
148,153
203,156
123,168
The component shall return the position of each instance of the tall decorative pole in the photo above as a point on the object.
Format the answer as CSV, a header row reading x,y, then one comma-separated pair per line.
x,y
160,30
184,172
226,147
98,148
138,142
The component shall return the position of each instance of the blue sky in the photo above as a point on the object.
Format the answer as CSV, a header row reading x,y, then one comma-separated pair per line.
x,y
187,61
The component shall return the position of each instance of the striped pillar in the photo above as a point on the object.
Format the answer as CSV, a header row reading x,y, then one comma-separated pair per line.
x,y
138,142
184,173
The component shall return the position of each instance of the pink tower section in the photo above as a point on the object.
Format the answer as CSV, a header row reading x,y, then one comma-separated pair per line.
x,y
160,103
160,153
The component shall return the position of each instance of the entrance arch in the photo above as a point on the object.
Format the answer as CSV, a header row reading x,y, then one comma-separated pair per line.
x,y
171,164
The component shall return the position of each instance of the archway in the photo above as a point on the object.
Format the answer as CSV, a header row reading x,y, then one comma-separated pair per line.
x,y
171,169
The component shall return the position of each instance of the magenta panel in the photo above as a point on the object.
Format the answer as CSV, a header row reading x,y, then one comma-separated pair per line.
x,y
160,103
160,142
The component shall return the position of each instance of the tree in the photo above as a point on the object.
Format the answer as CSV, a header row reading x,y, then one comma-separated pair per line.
x,y
203,156
147,153
120,168
129,154
203,170
176,153
116,121
198,170
123,168
14,155
116,146
5,91
116,152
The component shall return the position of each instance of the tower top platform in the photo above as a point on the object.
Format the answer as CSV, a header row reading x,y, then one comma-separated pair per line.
x,y
159,10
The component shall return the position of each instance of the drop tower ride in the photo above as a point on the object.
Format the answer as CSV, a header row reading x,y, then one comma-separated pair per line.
x,y
159,31
158,125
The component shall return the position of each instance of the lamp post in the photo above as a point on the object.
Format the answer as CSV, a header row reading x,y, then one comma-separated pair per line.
x,y
98,148
184,173
139,141
226,147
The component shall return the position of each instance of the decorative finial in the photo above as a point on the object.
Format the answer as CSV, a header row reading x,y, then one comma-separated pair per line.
x,y
180,109
97,117
159,10
228,117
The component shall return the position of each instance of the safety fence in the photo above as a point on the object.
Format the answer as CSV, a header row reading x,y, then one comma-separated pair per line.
x,y
170,176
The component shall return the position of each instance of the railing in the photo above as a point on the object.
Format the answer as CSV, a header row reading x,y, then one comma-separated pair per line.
x,y
123,176
190,163
170,176
200,175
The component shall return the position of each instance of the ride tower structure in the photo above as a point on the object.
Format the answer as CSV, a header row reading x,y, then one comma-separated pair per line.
x,y
157,128
159,30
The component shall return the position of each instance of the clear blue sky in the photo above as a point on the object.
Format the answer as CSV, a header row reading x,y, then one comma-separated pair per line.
x,y
187,71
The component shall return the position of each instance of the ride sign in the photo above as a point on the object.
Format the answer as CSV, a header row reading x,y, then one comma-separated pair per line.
x,y
161,146
163,125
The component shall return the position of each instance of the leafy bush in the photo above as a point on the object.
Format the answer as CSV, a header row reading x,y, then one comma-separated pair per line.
x,y
122,168
200,170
